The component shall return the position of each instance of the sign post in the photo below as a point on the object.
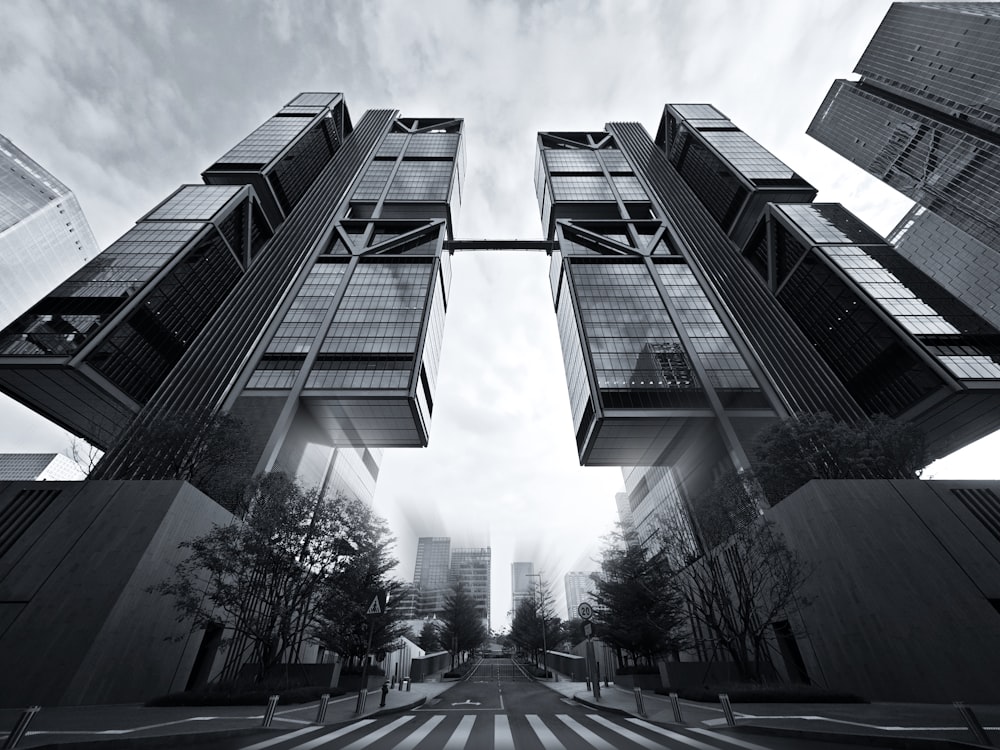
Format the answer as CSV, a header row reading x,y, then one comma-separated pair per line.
x,y
586,612
376,608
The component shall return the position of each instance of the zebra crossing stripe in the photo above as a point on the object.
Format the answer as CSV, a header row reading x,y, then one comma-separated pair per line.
x,y
676,736
588,735
726,738
502,738
544,734
461,735
411,740
282,738
626,733
334,735
378,733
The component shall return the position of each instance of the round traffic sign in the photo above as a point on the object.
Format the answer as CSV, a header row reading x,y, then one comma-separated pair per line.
x,y
585,611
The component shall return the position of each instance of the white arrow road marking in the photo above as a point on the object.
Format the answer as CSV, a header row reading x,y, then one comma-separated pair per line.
x,y
468,703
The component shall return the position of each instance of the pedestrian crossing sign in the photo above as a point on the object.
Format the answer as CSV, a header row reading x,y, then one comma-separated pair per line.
x,y
378,604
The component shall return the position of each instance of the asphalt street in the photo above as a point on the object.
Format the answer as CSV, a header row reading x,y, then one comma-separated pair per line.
x,y
498,707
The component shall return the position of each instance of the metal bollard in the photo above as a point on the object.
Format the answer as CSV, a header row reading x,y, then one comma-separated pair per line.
x,y
676,705
973,724
324,701
588,681
21,727
407,684
727,709
638,701
272,703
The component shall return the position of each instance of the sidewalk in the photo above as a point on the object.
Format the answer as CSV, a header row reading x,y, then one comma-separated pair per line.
x,y
120,723
929,724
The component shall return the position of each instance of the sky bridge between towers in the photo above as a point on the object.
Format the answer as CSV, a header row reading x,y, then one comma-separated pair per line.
x,y
546,246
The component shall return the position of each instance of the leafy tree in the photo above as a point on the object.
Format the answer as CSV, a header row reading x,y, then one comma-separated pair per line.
x,y
342,621
532,618
639,607
202,446
817,446
571,632
264,576
429,639
462,629
745,578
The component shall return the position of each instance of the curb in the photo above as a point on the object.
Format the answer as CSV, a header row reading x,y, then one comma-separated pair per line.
x,y
160,742
389,710
606,709
877,740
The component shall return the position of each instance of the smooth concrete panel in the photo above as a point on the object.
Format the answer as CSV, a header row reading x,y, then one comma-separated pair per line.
x,y
80,632
953,524
141,651
50,538
893,614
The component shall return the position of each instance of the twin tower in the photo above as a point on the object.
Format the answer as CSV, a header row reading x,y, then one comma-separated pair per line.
x,y
700,295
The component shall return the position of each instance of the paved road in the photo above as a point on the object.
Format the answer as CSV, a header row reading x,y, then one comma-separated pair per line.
x,y
500,708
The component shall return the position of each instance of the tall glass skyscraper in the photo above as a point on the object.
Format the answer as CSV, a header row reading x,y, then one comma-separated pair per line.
x,y
302,288
925,116
701,295
44,236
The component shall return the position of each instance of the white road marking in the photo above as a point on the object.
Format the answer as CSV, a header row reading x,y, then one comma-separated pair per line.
x,y
334,735
731,740
502,737
379,733
281,738
419,733
544,734
626,733
677,737
588,735
461,735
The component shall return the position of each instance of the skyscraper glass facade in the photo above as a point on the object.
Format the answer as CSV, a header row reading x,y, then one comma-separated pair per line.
x,y
962,264
925,116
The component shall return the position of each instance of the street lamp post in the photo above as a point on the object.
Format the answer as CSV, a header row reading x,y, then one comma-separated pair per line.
x,y
541,601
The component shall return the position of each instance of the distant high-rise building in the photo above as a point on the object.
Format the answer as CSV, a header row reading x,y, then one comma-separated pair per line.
x,y
521,584
53,467
579,588
925,116
44,236
471,567
432,574
624,512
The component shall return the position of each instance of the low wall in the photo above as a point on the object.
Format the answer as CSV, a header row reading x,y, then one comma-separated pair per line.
x,y
423,667
568,664
904,587
78,625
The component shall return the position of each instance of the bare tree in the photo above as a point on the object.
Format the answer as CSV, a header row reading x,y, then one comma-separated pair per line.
x,y
83,454
744,579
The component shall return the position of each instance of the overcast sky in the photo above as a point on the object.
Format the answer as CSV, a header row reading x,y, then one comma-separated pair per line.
x,y
124,101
